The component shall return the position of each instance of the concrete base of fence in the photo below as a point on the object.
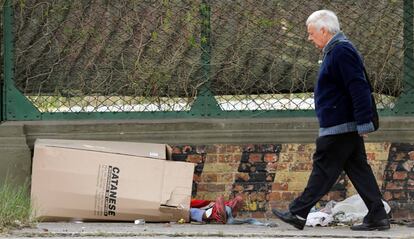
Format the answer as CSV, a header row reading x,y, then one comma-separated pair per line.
x,y
15,156
267,160
208,131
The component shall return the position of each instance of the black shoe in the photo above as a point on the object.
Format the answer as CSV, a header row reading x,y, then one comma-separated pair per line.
x,y
380,225
290,219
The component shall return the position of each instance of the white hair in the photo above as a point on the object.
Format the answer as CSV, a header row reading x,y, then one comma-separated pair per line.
x,y
324,19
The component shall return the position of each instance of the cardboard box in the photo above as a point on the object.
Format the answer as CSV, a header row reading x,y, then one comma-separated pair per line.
x,y
102,180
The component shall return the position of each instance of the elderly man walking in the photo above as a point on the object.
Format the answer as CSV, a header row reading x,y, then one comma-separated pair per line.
x,y
343,107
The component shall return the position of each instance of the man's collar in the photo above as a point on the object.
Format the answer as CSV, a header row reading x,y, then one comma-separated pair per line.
x,y
339,36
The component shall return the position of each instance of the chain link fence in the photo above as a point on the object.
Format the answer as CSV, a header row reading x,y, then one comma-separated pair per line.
x,y
262,60
1,59
140,56
107,55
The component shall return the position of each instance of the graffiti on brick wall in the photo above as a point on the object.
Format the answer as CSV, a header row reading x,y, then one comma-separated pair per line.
x,y
272,175
255,176
398,185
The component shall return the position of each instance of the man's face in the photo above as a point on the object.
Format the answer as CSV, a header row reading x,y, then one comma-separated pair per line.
x,y
318,37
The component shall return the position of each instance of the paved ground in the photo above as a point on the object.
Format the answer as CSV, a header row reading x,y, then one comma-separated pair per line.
x,y
168,230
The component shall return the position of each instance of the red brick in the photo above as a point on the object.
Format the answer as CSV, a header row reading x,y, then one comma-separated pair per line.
x,y
271,167
254,158
394,185
201,187
270,157
400,175
280,187
282,166
391,186
275,196
196,178
371,156
288,196
195,158
282,205
242,176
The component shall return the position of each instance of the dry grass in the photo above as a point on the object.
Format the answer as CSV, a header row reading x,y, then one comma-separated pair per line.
x,y
15,209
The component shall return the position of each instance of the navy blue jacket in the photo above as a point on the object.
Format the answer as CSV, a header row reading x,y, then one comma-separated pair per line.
x,y
342,94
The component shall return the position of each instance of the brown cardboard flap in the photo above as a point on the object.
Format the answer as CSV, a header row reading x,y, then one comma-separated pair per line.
x,y
173,195
168,152
176,213
147,150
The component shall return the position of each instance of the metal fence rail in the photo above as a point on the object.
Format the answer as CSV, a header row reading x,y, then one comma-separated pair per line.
x,y
182,58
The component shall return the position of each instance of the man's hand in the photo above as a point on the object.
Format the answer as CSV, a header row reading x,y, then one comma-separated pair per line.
x,y
364,135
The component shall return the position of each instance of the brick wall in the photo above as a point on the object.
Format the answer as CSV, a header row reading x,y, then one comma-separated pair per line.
x,y
398,184
272,175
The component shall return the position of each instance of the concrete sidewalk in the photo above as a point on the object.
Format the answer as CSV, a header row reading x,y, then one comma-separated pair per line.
x,y
166,230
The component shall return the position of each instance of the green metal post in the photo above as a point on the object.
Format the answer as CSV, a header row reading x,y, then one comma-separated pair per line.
x,y
15,105
405,104
205,104
7,54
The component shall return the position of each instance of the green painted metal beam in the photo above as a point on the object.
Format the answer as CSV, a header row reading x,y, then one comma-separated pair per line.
x,y
15,105
18,107
172,115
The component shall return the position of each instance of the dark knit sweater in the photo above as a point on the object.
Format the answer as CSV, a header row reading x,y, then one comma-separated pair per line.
x,y
342,94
